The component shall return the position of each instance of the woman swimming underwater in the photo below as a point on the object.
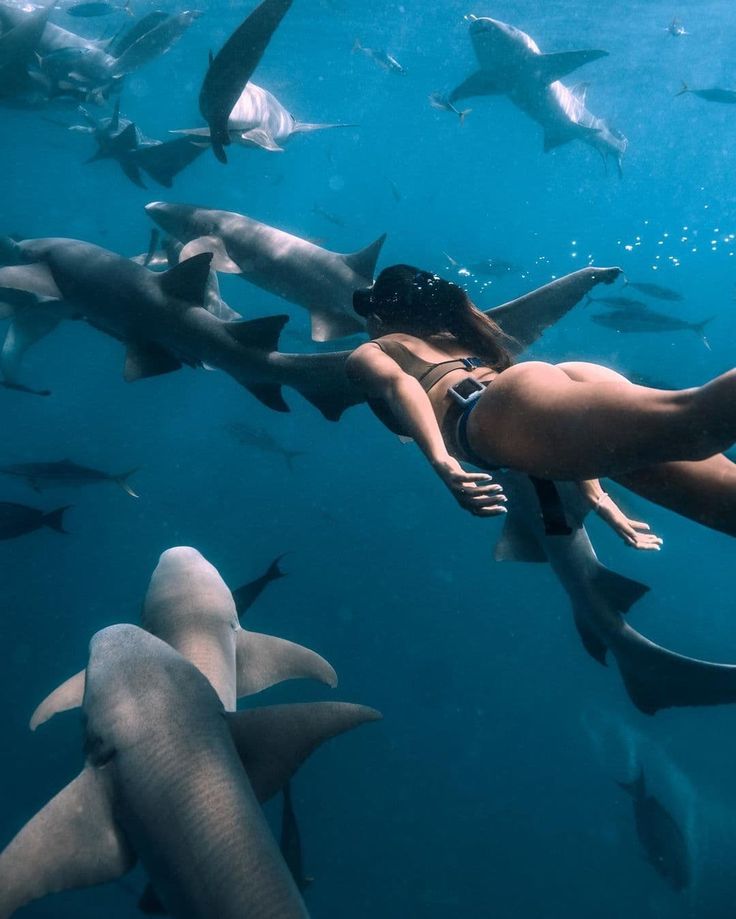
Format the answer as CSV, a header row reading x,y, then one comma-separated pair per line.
x,y
440,371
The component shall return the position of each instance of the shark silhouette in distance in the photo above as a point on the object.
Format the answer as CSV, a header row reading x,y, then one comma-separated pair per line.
x,y
174,781
511,64
162,319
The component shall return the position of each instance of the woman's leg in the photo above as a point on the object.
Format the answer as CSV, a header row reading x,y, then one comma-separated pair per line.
x,y
534,417
704,491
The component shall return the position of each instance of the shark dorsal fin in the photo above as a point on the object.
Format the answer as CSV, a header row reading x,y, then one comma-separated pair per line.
x,y
262,334
621,592
187,281
363,262
274,741
551,67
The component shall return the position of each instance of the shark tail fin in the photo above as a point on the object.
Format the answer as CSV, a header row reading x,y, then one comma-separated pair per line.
x,y
55,519
699,329
122,481
684,89
462,114
363,262
656,678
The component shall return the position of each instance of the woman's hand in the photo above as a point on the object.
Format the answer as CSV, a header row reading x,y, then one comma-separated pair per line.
x,y
472,490
633,532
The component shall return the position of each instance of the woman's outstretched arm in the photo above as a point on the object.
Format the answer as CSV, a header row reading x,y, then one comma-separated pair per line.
x,y
381,377
635,533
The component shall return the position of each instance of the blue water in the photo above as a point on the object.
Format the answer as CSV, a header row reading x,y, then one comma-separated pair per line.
x,y
484,792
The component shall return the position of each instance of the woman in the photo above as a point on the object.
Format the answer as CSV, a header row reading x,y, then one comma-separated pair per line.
x,y
439,371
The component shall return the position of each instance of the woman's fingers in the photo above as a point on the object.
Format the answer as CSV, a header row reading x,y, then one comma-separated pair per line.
x,y
639,525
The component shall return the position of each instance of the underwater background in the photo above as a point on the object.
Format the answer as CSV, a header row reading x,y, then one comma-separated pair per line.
x,y
490,787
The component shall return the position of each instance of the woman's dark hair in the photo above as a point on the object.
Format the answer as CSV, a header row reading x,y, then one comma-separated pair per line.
x,y
422,304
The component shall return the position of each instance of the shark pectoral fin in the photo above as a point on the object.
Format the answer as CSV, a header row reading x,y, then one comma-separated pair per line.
x,y
263,660
656,678
27,327
327,326
262,334
363,262
270,395
274,741
188,280
621,592
594,645
260,138
65,697
480,83
146,359
72,842
551,67
221,261
517,544
35,278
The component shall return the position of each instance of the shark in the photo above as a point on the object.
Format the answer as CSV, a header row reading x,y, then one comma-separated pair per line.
x,y
164,320
230,70
189,606
121,140
18,45
173,781
654,677
301,272
258,119
512,64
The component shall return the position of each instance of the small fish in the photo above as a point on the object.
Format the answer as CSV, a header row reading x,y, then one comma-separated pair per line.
x,y
91,10
247,595
676,28
661,838
395,191
291,842
65,474
18,519
649,321
621,303
714,94
328,215
438,101
655,290
385,60
260,439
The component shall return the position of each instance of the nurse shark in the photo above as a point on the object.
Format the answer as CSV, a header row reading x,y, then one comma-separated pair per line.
x,y
511,64
175,782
